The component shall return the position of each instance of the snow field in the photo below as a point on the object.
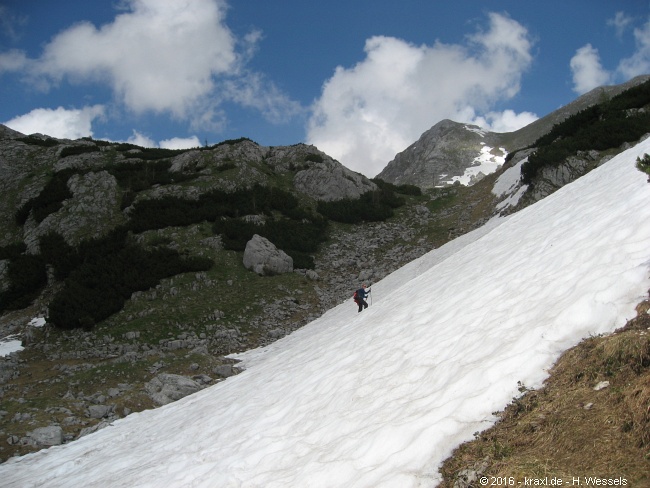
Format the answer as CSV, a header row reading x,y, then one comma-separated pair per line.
x,y
381,398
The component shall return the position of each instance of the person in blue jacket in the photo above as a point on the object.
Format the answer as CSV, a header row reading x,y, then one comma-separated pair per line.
x,y
360,297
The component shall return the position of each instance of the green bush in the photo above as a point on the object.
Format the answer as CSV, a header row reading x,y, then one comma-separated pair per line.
x,y
600,127
48,201
174,211
27,277
315,158
12,251
643,163
58,253
230,142
401,189
108,274
372,206
37,141
75,150
294,237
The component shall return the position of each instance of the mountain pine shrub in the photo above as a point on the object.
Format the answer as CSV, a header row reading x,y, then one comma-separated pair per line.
x,y
27,277
644,163
49,200
624,118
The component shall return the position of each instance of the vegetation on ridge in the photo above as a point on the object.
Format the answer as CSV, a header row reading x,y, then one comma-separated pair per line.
x,y
624,118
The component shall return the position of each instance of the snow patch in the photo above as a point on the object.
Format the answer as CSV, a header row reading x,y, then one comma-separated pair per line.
x,y
476,130
487,162
10,344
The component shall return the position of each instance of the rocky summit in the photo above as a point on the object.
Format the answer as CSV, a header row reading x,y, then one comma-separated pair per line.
x,y
449,152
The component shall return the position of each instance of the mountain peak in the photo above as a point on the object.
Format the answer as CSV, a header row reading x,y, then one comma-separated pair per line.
x,y
447,153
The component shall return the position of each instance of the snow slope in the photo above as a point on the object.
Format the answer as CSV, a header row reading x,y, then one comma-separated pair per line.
x,y
381,398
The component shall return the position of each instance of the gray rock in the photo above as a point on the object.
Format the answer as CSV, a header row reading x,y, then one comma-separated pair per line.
x,y
94,428
47,436
99,411
167,388
225,370
330,181
262,257
92,211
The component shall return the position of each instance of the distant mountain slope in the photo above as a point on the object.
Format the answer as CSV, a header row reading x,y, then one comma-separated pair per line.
x,y
452,152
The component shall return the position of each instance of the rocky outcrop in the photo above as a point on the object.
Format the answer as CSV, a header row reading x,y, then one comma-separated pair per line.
x,y
46,436
262,257
92,211
551,178
329,181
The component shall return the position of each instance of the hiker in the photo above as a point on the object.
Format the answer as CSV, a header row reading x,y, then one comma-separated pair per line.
x,y
360,297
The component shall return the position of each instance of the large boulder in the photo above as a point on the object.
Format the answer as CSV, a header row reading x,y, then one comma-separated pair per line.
x,y
262,257
167,388
46,436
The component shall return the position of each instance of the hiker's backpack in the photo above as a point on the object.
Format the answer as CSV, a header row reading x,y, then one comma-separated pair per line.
x,y
355,297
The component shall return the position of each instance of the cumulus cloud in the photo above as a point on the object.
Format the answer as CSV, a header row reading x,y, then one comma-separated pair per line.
x,y
166,57
368,113
180,143
10,23
620,22
13,60
639,62
506,121
141,140
587,71
158,56
60,122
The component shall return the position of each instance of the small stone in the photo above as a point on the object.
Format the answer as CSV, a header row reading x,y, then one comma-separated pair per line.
x,y
602,385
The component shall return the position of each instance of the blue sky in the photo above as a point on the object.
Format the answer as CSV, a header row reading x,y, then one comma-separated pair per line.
x,y
360,79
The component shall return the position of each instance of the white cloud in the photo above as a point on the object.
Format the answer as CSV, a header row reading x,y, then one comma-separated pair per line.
x,y
639,62
587,71
506,121
158,56
141,140
620,22
166,57
60,122
13,60
255,91
368,113
11,23
180,143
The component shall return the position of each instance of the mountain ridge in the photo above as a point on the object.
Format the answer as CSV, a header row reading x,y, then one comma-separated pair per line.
x,y
450,150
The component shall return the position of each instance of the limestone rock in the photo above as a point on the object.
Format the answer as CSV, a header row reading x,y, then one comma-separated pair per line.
x,y
264,258
167,388
329,181
92,211
47,436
